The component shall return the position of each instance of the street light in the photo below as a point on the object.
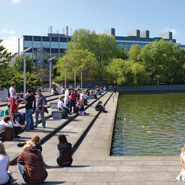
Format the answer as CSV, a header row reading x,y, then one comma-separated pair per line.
x,y
65,73
50,64
75,76
23,53
81,78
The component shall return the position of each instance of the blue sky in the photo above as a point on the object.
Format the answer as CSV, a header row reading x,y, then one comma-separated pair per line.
x,y
24,17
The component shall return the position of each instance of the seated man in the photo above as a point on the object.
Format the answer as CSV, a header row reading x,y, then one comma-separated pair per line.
x,y
100,107
6,129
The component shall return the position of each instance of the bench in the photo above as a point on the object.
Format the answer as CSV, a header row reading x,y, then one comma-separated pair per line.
x,y
54,105
57,114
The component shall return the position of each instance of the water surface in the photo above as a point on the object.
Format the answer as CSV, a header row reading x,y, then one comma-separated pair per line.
x,y
150,125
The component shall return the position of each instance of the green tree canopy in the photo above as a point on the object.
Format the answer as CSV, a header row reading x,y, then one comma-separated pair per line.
x,y
83,59
19,64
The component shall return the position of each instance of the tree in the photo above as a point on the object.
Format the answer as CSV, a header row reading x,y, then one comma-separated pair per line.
x,y
32,80
83,59
104,47
134,53
19,64
5,72
128,72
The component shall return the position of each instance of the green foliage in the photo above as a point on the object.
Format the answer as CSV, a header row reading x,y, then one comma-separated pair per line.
x,y
31,80
84,59
128,72
19,64
103,47
15,73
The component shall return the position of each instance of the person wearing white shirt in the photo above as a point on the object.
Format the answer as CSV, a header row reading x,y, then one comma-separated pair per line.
x,y
66,99
6,129
17,127
61,105
12,90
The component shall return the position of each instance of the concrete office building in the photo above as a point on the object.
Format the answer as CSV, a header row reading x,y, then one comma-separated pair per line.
x,y
55,44
51,44
139,37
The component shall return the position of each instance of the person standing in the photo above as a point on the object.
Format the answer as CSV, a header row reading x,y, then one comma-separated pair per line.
x,y
115,89
40,104
73,101
12,103
66,99
110,88
12,90
29,101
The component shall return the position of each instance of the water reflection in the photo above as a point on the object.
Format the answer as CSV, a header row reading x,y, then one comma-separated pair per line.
x,y
150,124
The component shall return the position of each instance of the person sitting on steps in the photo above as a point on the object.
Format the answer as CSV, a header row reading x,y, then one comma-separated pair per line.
x,y
62,107
6,129
100,107
64,155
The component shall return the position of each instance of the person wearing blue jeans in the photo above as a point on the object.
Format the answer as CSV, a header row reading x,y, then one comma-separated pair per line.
x,y
40,103
22,172
37,112
29,102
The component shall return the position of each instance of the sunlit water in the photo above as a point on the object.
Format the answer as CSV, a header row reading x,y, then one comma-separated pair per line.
x,y
150,124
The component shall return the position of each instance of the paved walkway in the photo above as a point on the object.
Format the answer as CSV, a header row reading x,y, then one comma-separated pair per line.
x,y
93,166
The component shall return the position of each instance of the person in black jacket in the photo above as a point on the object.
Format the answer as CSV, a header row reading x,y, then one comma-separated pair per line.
x,y
64,158
100,107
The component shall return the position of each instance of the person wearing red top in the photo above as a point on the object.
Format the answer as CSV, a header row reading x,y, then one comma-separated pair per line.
x,y
73,101
12,103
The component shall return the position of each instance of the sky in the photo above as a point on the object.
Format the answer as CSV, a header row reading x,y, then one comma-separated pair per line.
x,y
33,17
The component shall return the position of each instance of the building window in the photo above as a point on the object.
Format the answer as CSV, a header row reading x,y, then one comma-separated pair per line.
x,y
28,38
54,44
62,50
63,39
27,44
45,38
28,53
54,50
37,38
46,50
63,45
46,44
54,39
36,44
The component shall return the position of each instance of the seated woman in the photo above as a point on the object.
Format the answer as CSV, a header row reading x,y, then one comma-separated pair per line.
x,y
64,155
31,164
80,108
61,105
85,99
35,140
100,107
6,111
5,174
6,129
92,93
104,89
17,127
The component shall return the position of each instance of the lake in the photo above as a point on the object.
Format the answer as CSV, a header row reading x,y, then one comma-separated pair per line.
x,y
149,125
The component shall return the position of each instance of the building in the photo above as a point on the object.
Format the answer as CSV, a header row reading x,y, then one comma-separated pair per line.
x,y
55,44
43,47
139,37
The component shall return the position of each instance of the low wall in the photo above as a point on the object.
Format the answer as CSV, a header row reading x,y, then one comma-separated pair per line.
x,y
143,89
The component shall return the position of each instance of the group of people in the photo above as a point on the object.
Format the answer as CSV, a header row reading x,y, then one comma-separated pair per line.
x,y
34,104
30,162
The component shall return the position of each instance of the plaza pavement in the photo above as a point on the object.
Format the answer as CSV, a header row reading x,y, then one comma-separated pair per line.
x,y
93,166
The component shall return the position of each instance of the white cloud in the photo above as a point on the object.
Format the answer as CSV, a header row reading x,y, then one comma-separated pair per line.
x,y
16,1
6,31
11,44
173,30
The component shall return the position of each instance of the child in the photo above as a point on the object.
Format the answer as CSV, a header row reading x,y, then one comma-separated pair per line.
x,y
80,108
6,111
36,140
64,155
182,173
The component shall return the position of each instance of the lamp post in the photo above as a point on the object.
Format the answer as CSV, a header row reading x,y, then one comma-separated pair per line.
x,y
65,73
50,66
23,53
75,76
81,79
